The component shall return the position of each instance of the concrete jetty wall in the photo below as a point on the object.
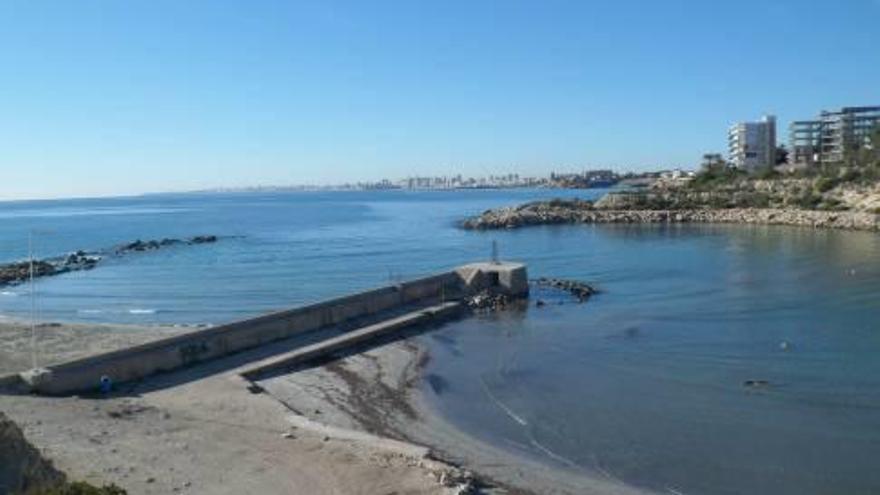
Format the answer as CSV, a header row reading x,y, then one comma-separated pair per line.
x,y
167,354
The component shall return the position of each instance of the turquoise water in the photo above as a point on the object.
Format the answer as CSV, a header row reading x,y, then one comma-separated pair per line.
x,y
644,383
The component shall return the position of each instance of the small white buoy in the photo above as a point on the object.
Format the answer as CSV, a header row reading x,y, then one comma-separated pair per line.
x,y
784,345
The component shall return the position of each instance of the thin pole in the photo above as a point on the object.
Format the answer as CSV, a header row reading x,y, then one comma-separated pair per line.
x,y
33,302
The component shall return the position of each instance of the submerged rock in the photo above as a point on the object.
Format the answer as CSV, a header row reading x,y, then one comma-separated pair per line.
x,y
581,290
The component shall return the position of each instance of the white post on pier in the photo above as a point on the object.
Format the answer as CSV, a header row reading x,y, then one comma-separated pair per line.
x,y
33,300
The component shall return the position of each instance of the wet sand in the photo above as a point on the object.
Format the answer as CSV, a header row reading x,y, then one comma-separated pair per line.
x,y
378,391
320,429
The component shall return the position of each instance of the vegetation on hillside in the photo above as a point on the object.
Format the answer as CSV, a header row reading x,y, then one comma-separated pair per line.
x,y
719,185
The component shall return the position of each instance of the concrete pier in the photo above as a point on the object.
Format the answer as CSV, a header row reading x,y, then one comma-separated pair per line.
x,y
172,353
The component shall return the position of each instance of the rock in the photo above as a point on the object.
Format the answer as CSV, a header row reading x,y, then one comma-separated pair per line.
x,y
581,290
622,208
20,271
22,468
203,239
488,300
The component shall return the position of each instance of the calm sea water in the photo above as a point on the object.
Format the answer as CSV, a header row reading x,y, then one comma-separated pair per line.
x,y
644,383
277,250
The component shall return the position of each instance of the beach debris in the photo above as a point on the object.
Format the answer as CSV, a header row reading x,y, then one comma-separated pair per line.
x,y
580,290
105,384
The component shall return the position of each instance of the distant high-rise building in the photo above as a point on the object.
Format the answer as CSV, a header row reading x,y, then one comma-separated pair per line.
x,y
828,138
752,145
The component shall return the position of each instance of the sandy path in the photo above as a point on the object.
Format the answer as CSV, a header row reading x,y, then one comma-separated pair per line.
x,y
57,343
200,430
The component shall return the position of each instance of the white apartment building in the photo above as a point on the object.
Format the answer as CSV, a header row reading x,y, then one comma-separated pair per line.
x,y
828,138
752,145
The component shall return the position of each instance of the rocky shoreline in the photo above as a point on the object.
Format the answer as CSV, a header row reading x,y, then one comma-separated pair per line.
x,y
584,212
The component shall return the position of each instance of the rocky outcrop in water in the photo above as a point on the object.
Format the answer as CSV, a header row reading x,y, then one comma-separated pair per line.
x,y
140,245
580,290
22,468
19,271
571,212
488,301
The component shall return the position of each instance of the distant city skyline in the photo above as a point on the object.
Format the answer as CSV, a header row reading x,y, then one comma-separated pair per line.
x,y
107,98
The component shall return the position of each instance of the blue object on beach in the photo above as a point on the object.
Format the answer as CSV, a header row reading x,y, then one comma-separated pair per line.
x,y
106,384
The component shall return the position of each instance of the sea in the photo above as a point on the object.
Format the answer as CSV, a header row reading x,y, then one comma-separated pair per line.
x,y
717,359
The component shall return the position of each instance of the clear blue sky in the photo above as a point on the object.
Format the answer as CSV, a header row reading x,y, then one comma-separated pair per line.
x,y
120,97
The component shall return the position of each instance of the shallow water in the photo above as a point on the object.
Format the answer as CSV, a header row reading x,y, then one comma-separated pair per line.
x,y
643,383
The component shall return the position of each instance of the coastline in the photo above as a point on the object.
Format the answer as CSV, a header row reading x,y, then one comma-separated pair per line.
x,y
202,430
549,213
378,392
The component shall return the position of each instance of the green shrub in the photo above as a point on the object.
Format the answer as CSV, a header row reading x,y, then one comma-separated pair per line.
x,y
808,200
850,175
766,173
825,184
832,204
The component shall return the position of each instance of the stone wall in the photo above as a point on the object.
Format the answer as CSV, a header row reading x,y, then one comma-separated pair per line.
x,y
175,352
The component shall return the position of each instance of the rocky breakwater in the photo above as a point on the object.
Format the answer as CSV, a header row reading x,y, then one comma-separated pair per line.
x,y
617,209
20,271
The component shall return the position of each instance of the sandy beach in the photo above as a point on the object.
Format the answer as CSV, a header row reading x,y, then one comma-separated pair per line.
x,y
358,424
200,430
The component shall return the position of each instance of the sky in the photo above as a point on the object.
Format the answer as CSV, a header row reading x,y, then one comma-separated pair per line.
x,y
123,97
